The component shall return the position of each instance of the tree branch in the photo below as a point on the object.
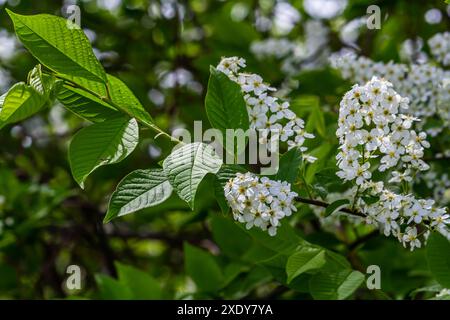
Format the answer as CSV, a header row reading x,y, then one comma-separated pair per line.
x,y
325,205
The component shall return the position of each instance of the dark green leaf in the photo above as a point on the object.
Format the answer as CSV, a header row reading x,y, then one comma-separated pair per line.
x,y
290,164
438,255
203,269
224,103
138,190
335,285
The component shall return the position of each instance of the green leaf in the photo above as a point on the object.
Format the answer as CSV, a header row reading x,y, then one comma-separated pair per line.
x,y
86,105
138,190
234,246
225,173
102,144
336,206
2,100
35,80
112,289
321,153
92,108
122,96
316,121
203,269
59,45
438,256
335,285
141,285
290,164
188,165
20,102
336,262
224,103
305,259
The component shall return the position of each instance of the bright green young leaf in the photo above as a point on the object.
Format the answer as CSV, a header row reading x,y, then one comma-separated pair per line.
x,y
225,173
36,81
305,259
188,165
203,269
290,164
438,256
59,45
335,285
336,206
141,285
138,190
101,144
224,103
20,102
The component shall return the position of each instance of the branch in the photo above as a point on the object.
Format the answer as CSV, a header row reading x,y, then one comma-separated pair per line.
x,y
325,205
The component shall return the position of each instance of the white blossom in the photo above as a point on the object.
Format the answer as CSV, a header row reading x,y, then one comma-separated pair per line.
x,y
259,202
267,114
372,129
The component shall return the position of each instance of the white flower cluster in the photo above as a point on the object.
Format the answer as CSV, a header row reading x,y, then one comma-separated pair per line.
x,y
440,47
423,84
259,202
267,114
405,217
371,127
369,121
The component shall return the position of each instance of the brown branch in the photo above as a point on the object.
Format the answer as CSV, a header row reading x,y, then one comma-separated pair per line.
x,y
325,205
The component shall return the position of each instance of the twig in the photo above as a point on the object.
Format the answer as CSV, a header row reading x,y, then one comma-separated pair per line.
x,y
325,205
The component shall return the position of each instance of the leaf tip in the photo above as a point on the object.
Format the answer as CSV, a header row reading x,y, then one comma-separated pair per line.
x,y
107,218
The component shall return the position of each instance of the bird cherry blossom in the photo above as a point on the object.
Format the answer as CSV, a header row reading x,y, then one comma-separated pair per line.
x,y
259,202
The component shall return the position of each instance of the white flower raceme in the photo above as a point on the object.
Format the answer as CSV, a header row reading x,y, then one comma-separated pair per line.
x,y
423,84
267,113
371,128
259,202
440,47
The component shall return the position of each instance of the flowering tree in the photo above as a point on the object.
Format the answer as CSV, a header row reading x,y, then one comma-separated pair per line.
x,y
352,172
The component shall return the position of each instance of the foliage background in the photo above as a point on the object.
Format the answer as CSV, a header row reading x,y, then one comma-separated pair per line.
x,y
47,222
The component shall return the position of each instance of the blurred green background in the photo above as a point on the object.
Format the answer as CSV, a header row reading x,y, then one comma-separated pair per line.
x,y
162,50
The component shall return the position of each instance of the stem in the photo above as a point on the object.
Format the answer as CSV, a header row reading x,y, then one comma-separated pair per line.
x,y
325,205
304,181
355,198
